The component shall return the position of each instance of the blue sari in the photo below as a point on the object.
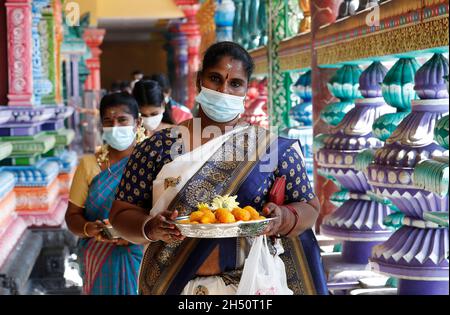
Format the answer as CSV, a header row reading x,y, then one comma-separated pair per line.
x,y
107,269
167,268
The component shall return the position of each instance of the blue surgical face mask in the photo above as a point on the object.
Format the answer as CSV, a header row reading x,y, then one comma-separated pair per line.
x,y
220,107
119,138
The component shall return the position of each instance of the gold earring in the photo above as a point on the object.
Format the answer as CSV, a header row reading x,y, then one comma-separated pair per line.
x,y
140,134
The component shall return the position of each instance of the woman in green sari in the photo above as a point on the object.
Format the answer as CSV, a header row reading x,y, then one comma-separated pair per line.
x,y
170,173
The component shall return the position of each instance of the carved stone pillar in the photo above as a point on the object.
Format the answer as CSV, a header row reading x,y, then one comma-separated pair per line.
x,y
224,20
3,57
59,37
178,63
192,31
322,12
42,86
94,38
48,53
20,75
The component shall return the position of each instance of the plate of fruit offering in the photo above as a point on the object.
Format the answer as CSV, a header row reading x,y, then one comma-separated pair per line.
x,y
221,219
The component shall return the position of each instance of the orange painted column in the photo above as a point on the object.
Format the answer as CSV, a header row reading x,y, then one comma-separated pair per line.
x,y
93,38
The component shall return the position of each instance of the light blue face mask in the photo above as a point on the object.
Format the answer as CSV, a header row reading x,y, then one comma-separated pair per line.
x,y
119,138
220,107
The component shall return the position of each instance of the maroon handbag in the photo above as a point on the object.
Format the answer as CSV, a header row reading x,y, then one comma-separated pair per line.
x,y
277,196
278,191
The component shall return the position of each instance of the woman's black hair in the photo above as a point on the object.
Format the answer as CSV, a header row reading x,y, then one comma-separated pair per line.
x,y
119,99
219,50
150,93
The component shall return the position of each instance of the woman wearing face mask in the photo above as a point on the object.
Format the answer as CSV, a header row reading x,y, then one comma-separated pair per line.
x,y
162,186
150,98
109,266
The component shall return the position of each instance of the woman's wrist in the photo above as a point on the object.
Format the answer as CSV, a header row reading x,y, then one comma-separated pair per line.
x,y
146,230
85,233
289,227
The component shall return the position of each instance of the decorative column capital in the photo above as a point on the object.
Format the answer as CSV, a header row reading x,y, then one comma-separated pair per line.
x,y
94,38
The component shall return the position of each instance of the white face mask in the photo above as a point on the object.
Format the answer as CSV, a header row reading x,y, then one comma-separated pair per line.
x,y
151,123
167,99
220,107
119,138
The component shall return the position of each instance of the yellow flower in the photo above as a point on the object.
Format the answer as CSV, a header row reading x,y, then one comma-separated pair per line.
x,y
203,206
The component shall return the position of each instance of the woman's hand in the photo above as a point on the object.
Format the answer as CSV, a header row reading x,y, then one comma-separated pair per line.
x,y
93,229
117,241
159,228
278,226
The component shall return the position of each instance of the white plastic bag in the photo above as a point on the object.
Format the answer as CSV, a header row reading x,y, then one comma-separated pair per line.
x,y
263,274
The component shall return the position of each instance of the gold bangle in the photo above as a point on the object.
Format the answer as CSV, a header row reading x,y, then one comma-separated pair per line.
x,y
84,230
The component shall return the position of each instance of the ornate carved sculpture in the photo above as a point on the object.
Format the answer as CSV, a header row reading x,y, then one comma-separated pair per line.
x,y
417,253
359,220
305,24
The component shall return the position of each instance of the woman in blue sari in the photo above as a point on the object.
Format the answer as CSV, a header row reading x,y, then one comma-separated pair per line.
x,y
108,266
165,178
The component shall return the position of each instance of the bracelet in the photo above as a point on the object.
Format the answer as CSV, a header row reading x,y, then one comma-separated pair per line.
x,y
292,209
84,230
143,230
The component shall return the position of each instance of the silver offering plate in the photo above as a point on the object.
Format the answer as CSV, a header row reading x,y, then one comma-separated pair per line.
x,y
222,230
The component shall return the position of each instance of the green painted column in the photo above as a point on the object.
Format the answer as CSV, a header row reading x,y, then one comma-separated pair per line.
x,y
47,32
283,16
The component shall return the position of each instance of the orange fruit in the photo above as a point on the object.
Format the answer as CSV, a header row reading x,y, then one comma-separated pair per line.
x,y
241,214
207,220
221,211
196,215
254,215
227,218
184,222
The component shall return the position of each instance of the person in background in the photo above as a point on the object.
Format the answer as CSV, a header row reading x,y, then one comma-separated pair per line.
x,y
136,75
125,86
180,112
155,115
115,87
109,266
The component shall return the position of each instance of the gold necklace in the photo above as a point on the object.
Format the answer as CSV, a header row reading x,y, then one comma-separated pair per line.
x,y
103,157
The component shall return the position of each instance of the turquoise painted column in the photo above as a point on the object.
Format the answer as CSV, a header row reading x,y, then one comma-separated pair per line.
x,y
42,86
237,24
224,19
253,25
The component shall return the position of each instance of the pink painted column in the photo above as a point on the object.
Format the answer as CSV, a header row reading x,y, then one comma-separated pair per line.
x,y
20,73
93,38
3,57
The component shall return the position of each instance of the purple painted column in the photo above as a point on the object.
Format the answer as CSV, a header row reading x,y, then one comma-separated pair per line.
x,y
417,253
358,222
